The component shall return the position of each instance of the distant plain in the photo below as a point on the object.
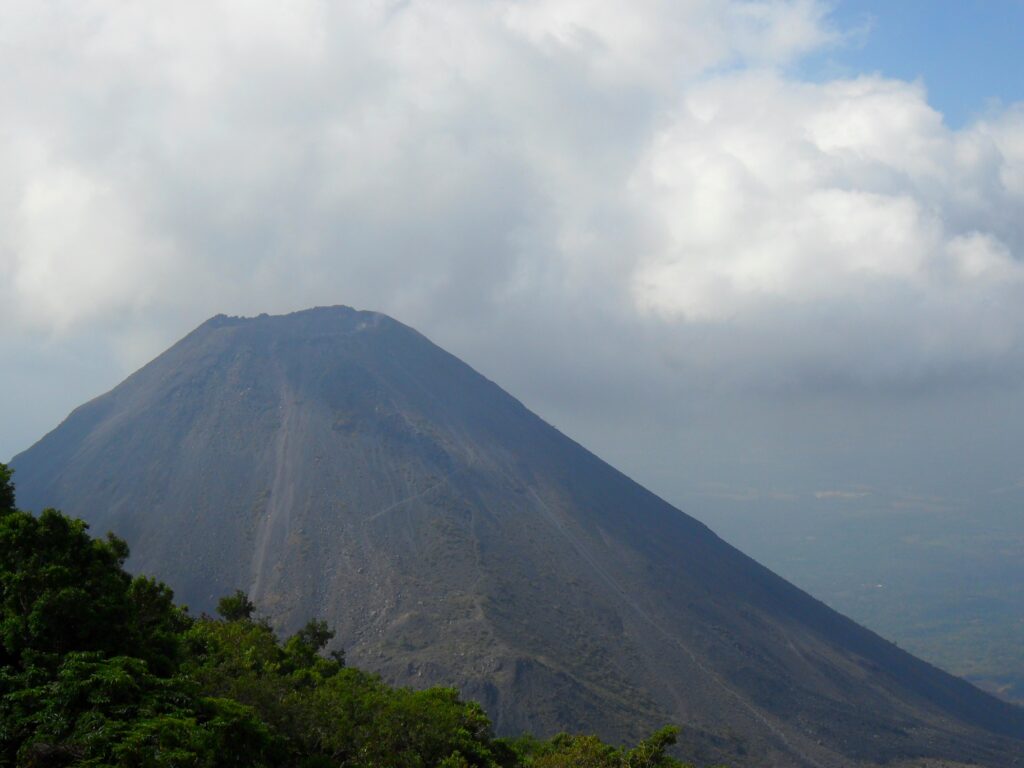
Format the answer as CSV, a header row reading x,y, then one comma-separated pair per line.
x,y
941,581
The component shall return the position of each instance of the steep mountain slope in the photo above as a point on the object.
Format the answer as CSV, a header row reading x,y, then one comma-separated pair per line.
x,y
337,464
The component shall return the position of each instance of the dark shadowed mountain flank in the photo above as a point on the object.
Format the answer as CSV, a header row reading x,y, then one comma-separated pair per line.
x,y
337,464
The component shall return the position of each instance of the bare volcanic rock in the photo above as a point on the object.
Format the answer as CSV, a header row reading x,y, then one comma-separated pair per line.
x,y
337,464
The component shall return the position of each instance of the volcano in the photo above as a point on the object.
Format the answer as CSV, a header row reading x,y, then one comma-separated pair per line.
x,y
336,464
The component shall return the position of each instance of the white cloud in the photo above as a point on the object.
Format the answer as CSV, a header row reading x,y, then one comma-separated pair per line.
x,y
665,43
849,202
645,173
78,250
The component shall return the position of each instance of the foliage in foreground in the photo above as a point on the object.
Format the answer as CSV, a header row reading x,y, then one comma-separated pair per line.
x,y
98,668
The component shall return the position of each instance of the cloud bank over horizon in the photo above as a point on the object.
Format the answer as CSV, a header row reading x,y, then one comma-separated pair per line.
x,y
641,203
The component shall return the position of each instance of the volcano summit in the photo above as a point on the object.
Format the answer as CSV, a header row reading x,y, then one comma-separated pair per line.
x,y
337,464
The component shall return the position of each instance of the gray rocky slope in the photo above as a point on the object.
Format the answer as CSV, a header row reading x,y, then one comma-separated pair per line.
x,y
337,464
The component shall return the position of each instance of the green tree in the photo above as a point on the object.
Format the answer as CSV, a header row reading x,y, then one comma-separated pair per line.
x,y
6,489
114,711
303,648
236,607
63,591
569,751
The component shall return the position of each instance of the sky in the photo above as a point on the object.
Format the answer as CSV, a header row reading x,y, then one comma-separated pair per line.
x,y
747,251
966,52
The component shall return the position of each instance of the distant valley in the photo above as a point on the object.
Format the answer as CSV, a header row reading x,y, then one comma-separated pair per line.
x,y
944,583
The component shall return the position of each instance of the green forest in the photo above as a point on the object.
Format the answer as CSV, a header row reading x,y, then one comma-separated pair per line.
x,y
101,668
